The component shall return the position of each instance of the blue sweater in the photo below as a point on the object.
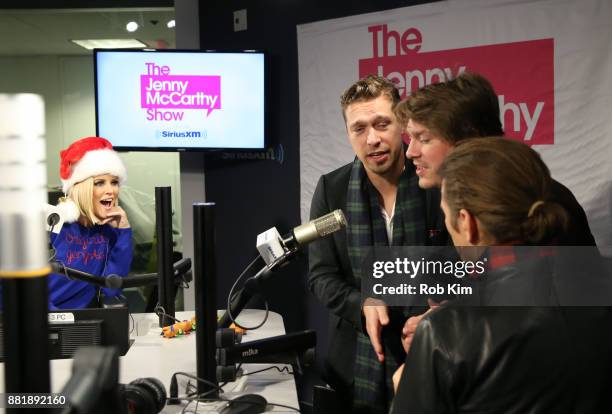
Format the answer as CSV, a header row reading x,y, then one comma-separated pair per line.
x,y
99,250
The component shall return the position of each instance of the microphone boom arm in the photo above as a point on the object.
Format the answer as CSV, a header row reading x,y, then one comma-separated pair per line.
x,y
251,288
182,272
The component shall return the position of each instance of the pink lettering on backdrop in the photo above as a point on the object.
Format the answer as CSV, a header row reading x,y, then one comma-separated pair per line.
x,y
522,74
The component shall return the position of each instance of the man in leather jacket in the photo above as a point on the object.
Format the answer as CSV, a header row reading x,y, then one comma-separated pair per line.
x,y
536,358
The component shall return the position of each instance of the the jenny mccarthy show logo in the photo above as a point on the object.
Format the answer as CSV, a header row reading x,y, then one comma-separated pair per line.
x,y
522,74
165,96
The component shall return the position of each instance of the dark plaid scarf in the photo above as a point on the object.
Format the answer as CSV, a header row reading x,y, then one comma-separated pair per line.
x,y
373,389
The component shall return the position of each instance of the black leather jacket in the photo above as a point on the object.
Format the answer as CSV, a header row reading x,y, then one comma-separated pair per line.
x,y
509,360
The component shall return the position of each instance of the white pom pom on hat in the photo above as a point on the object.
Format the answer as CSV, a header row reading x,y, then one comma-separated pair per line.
x,y
68,211
89,157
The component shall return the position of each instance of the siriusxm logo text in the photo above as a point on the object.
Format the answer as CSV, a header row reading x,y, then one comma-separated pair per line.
x,y
182,134
272,153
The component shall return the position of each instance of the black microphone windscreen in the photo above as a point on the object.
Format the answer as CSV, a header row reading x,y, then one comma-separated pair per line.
x,y
56,267
53,219
114,282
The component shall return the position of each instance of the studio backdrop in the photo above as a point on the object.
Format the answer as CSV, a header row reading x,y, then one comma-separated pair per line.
x,y
550,62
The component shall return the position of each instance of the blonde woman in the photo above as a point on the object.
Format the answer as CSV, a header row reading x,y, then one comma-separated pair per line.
x,y
96,236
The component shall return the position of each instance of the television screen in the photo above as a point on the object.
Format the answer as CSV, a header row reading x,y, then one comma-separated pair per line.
x,y
152,100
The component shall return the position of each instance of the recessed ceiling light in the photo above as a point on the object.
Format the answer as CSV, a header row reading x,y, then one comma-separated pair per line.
x,y
131,27
171,24
109,43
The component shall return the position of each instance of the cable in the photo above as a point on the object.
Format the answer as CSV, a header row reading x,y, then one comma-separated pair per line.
x,y
230,296
160,311
252,328
52,251
194,390
133,323
174,399
285,406
199,398
283,370
246,402
189,396
65,271
212,384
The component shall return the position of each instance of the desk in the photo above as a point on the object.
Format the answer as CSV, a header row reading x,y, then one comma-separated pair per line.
x,y
154,356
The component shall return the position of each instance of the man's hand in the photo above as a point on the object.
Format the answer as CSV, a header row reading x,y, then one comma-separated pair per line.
x,y
411,325
376,316
117,218
397,376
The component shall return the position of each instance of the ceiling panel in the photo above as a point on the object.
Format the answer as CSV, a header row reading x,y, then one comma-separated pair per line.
x,y
48,32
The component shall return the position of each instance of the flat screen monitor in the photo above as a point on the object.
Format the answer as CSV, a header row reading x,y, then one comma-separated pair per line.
x,y
70,329
169,100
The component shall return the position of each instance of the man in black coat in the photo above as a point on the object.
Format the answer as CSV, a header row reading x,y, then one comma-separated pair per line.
x,y
384,206
440,115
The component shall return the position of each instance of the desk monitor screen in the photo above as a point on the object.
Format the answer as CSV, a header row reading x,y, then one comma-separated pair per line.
x,y
156,100
71,329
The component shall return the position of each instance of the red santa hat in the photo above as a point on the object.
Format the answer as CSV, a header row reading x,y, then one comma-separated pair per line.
x,y
89,157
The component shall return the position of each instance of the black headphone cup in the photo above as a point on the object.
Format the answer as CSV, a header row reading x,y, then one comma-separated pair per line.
x,y
226,337
139,400
147,395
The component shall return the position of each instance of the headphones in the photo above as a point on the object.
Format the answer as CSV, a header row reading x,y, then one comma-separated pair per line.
x,y
144,396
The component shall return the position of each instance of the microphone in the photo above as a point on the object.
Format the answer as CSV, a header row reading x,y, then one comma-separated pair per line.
x,y
272,247
181,273
110,281
281,349
138,280
317,228
276,251
53,218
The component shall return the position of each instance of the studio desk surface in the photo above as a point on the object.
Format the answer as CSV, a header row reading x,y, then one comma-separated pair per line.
x,y
152,355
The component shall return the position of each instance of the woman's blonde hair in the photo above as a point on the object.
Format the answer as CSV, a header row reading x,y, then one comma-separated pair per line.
x,y
82,195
